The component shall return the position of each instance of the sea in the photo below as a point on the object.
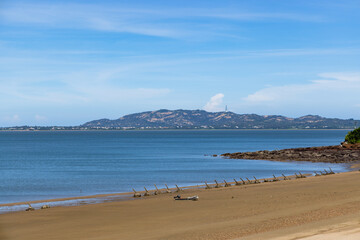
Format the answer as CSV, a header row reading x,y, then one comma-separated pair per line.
x,y
38,165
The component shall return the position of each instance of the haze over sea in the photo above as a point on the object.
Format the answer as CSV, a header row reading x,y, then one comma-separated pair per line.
x,y
54,164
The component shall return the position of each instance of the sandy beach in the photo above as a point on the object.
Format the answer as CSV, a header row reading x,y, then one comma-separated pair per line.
x,y
324,207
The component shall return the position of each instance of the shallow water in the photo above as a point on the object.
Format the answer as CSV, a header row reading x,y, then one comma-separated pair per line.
x,y
46,165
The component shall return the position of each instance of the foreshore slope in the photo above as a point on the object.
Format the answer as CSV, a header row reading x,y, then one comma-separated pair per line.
x,y
273,210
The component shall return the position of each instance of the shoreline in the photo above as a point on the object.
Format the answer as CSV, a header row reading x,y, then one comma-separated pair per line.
x,y
272,209
128,196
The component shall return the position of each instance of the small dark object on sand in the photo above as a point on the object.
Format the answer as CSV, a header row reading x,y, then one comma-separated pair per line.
x,y
193,198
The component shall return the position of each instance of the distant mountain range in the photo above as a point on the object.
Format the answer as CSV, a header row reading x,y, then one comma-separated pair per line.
x,y
200,119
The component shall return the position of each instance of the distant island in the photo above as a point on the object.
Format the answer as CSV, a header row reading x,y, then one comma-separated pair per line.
x,y
200,119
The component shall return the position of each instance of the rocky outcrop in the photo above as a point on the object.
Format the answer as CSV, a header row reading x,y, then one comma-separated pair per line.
x,y
345,153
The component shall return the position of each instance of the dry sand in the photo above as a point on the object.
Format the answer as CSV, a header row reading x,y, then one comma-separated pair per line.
x,y
325,207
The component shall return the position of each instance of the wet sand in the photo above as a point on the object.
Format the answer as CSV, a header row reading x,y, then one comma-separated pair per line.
x,y
324,207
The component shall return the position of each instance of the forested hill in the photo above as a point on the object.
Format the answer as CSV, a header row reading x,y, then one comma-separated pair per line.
x,y
197,119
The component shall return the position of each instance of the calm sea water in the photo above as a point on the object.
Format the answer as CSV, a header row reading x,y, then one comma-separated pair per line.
x,y
44,165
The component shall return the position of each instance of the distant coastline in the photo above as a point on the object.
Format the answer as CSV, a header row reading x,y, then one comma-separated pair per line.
x,y
200,120
69,129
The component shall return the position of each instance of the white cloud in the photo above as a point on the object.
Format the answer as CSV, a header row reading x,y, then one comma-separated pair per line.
x,y
215,103
334,93
335,83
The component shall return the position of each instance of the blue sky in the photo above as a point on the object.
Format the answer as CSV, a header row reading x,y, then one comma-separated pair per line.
x,y
68,62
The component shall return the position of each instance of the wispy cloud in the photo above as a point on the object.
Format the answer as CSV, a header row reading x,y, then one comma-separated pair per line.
x,y
152,21
78,94
331,91
86,16
258,16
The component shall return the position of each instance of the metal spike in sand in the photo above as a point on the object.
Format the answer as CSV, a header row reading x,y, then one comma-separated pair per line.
x,y
146,192
227,184
302,176
207,186
217,184
157,192
136,194
236,182
285,177
326,172
249,181
275,179
331,171
316,174
297,176
177,188
243,181
167,189
256,181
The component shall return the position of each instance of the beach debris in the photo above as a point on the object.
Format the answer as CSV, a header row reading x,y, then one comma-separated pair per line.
x,y
30,208
227,184
217,184
136,194
256,181
275,179
193,198
167,189
316,174
285,177
177,188
331,171
249,181
157,191
236,182
297,176
146,192
45,206
326,172
266,180
301,175
207,186
243,181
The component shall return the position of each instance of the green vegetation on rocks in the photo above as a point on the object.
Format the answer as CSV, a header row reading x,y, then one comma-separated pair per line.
x,y
353,136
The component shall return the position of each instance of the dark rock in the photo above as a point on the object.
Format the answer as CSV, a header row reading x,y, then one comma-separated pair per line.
x,y
334,154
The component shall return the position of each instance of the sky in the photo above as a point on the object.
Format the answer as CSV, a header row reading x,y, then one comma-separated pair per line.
x,y
69,62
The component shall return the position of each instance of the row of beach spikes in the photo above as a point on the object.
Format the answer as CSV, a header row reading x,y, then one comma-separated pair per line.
x,y
226,184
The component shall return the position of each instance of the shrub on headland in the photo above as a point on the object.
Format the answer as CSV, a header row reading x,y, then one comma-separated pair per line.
x,y
353,136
